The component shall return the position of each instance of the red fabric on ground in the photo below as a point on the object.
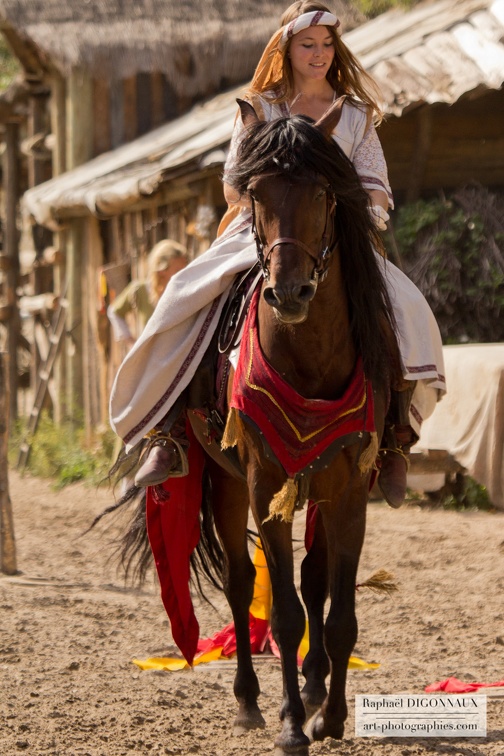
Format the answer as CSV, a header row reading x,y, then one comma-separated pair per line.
x,y
454,685
172,514
226,638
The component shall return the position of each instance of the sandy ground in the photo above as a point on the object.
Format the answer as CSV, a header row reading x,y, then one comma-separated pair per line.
x,y
69,629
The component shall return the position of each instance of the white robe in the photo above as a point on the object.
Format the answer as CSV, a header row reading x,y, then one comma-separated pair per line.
x,y
165,358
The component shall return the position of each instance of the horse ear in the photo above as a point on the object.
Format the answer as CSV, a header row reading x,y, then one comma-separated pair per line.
x,y
248,114
328,122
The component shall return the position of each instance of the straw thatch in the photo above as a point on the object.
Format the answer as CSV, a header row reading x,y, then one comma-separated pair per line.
x,y
197,45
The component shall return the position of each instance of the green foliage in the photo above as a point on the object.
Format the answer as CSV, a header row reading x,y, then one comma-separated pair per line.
x,y
60,452
453,250
475,496
465,495
373,8
9,66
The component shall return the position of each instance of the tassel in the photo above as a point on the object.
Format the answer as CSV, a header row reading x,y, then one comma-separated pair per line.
x,y
283,503
230,436
368,457
380,582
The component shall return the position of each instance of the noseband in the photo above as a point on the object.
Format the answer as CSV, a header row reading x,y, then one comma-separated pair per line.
x,y
322,260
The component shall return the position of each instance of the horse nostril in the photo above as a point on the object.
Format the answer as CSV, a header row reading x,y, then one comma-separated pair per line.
x,y
305,293
273,296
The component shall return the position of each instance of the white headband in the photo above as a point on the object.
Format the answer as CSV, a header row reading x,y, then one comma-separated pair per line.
x,y
314,18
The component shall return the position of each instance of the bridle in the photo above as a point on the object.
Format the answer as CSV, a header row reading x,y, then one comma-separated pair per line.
x,y
322,260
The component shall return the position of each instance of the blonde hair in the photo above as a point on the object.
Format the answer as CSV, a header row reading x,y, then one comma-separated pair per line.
x,y
160,258
346,75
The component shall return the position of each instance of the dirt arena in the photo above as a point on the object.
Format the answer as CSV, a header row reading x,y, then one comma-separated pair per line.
x,y
69,629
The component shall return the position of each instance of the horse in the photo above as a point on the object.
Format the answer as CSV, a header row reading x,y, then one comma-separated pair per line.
x,y
323,321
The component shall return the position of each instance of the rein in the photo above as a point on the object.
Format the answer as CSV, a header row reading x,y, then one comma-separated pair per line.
x,y
322,260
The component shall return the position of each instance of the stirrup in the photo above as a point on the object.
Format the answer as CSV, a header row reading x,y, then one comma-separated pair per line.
x,y
158,438
397,450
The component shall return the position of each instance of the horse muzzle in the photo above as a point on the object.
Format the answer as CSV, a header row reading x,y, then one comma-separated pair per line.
x,y
290,303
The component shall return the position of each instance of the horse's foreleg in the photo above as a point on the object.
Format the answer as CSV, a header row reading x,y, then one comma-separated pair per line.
x,y
287,624
230,506
314,588
345,535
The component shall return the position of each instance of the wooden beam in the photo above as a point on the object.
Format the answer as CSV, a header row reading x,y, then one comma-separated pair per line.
x,y
11,250
79,149
58,123
421,149
101,105
79,119
95,361
8,563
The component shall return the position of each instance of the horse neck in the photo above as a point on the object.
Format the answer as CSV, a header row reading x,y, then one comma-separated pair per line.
x,y
315,357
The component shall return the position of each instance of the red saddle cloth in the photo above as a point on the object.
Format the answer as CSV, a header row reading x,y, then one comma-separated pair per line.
x,y
297,429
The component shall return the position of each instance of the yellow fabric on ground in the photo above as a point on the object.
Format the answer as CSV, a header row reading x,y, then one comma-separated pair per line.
x,y
260,608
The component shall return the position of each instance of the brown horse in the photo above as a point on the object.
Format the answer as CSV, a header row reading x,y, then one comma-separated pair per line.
x,y
318,351
323,308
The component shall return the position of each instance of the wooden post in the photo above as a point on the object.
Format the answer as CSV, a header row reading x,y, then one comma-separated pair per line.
x,y
79,149
58,128
7,542
11,249
58,123
421,149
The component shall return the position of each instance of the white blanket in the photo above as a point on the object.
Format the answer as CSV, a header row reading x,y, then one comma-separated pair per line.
x,y
165,357
469,423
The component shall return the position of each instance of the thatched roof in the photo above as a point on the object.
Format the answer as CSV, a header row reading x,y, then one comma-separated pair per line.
x,y
199,45
438,52
13,100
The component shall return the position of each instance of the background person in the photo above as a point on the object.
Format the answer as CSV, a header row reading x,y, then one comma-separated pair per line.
x,y
166,258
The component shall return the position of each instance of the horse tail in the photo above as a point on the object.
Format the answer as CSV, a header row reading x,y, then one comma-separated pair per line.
x,y
207,560
132,548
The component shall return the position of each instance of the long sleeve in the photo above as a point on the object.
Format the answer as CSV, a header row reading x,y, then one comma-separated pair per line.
x,y
369,162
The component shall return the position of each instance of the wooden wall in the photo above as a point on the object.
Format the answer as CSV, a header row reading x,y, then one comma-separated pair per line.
x,y
442,147
125,109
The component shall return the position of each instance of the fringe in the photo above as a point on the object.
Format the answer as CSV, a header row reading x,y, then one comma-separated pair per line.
x,y
283,503
368,457
230,435
380,582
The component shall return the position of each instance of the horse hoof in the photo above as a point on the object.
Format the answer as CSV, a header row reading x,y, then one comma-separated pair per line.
x,y
253,721
315,729
301,750
289,744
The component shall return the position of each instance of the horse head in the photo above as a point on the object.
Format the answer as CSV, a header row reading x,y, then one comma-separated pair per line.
x,y
293,207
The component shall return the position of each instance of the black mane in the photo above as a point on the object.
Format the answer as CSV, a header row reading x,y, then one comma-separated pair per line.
x,y
293,146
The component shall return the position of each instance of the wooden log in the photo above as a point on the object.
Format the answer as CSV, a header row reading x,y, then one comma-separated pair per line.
x,y
58,123
434,461
8,564
101,105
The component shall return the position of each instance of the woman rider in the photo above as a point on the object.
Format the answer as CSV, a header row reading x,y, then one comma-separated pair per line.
x,y
303,69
